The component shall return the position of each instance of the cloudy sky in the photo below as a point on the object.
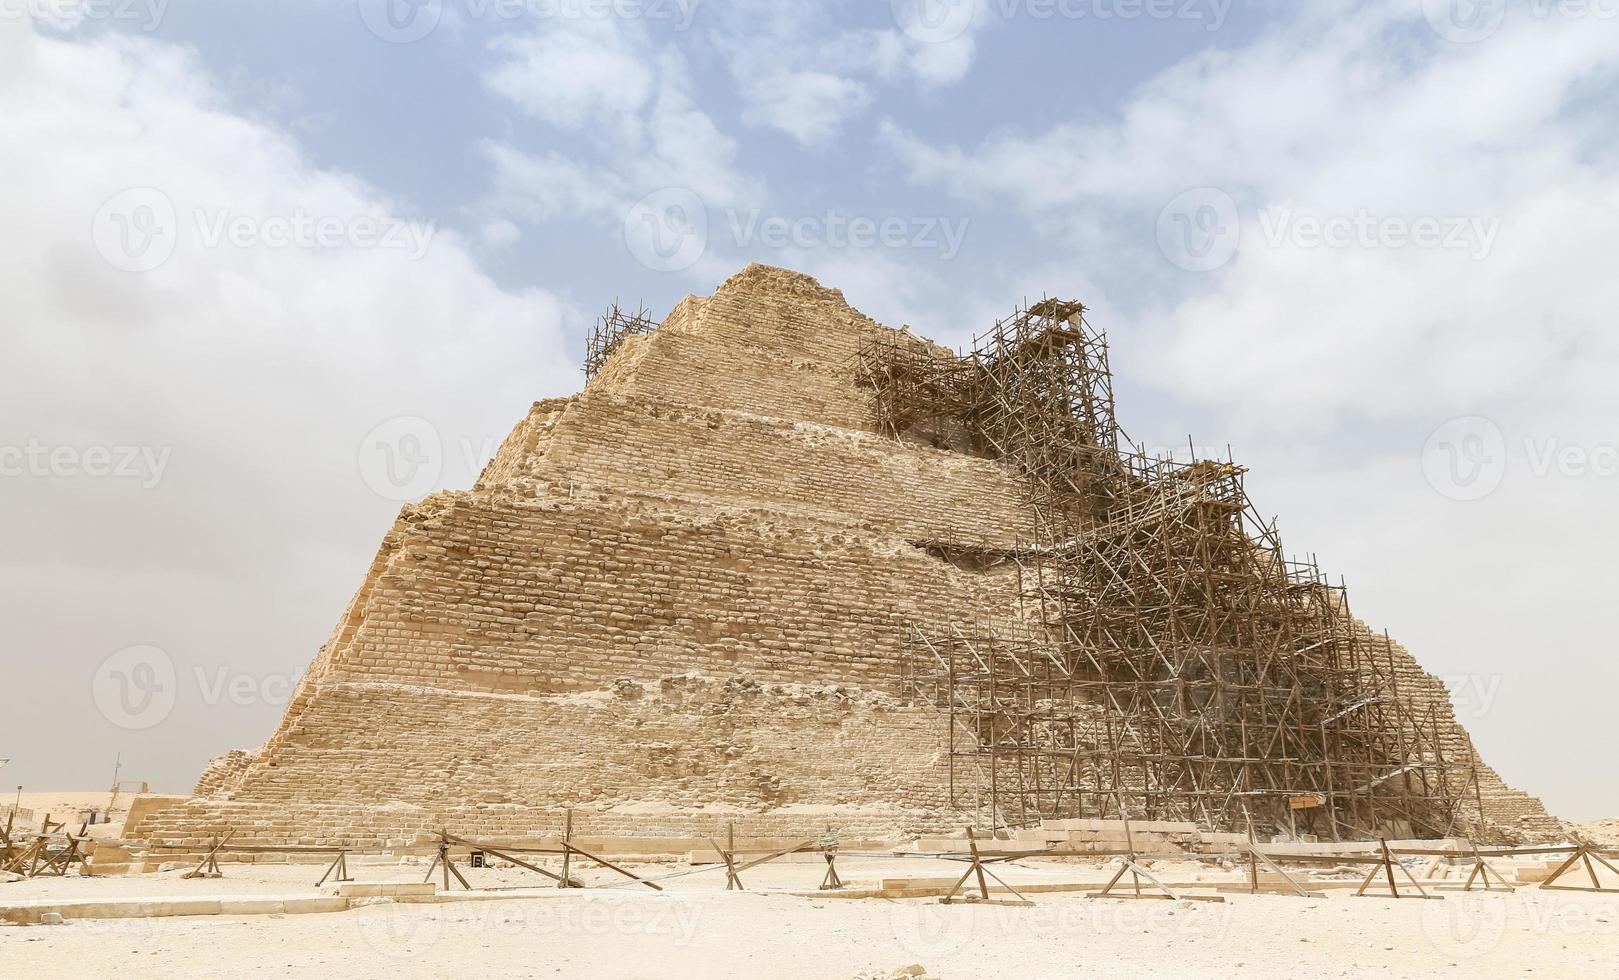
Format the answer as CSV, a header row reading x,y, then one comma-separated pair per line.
x,y
251,249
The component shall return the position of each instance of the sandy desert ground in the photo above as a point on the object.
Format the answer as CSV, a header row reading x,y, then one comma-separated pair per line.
x,y
696,928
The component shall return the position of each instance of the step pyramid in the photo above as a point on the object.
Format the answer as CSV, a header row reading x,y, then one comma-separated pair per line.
x,y
680,598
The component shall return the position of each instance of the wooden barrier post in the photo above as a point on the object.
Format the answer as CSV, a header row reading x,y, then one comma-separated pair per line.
x,y
567,848
1583,853
1481,868
443,858
728,855
208,867
976,867
1387,866
829,849
339,867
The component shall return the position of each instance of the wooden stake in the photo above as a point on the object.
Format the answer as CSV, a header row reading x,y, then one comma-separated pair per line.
x,y
567,848
208,867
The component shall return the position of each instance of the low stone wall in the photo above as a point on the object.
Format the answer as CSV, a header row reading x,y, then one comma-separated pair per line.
x,y
192,827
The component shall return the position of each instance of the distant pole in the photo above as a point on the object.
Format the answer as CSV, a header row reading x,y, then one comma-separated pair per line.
x,y
117,766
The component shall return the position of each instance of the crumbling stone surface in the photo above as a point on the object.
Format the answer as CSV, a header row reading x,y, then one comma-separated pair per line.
x,y
682,593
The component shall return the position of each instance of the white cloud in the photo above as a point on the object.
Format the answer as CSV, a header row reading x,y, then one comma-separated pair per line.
x,y
936,65
934,41
257,370
651,136
687,149
810,106
537,187
641,130
794,70
800,74
576,72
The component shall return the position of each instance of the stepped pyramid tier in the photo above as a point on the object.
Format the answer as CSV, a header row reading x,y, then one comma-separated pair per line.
x,y
715,586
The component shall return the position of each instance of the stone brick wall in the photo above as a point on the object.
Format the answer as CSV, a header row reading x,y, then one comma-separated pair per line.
x,y
796,471
560,593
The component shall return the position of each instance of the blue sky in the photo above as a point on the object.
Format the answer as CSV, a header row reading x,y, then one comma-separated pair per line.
x,y
1366,245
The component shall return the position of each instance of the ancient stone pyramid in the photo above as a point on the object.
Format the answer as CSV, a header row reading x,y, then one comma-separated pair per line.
x,y
680,597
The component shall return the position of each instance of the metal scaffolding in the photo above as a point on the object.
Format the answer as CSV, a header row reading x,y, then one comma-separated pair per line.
x,y
1166,659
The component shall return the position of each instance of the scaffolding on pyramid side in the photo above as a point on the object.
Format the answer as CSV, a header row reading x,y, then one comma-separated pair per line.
x,y
1171,662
